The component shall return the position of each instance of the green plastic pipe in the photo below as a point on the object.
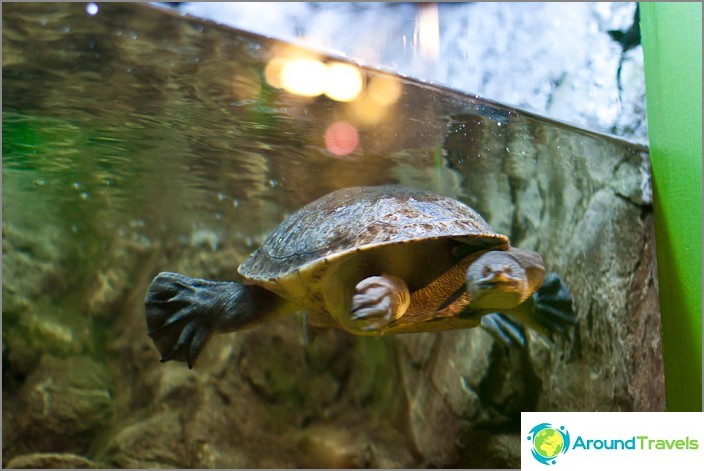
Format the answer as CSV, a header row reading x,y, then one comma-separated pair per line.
x,y
672,52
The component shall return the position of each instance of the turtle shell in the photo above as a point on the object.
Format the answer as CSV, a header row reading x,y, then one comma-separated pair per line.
x,y
361,218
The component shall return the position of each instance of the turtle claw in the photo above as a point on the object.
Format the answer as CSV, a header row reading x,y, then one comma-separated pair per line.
x,y
189,344
504,329
378,301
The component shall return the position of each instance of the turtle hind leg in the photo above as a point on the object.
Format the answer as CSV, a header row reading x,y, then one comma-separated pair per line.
x,y
183,313
504,329
553,306
548,312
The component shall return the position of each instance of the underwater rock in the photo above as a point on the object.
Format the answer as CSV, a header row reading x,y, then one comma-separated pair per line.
x,y
50,460
353,447
469,383
29,257
61,406
148,443
332,447
491,450
584,204
31,272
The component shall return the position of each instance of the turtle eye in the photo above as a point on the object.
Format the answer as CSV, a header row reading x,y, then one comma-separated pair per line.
x,y
508,270
486,271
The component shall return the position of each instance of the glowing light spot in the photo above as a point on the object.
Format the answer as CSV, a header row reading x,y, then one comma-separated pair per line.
x,y
365,111
341,138
344,81
305,77
384,90
272,71
91,9
428,30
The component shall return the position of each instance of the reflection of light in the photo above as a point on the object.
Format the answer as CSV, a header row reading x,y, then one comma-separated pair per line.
x,y
341,138
373,106
272,71
311,77
305,77
383,90
428,30
344,82
366,111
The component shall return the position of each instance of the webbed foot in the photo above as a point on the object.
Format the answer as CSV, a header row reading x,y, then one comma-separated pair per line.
x,y
379,300
183,313
553,306
504,329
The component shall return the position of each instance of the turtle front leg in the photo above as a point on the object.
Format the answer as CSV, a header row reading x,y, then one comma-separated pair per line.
x,y
379,300
182,313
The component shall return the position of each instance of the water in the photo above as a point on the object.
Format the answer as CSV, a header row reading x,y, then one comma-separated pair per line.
x,y
556,59
136,140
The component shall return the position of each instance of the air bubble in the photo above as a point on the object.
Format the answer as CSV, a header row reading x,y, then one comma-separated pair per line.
x,y
91,9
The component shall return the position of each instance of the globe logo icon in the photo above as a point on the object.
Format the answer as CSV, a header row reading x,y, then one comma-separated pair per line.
x,y
548,442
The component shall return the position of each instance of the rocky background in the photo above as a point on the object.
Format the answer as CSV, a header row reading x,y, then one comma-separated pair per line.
x,y
82,385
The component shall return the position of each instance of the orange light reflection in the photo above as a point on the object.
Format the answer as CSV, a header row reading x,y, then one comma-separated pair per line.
x,y
341,138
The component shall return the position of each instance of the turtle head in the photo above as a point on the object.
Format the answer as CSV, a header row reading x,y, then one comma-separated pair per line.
x,y
497,280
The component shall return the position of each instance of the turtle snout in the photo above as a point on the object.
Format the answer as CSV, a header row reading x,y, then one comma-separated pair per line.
x,y
495,280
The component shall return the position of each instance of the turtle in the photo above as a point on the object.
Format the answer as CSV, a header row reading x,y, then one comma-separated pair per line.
x,y
372,260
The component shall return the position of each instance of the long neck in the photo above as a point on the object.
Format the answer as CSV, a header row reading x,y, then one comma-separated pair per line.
x,y
443,297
